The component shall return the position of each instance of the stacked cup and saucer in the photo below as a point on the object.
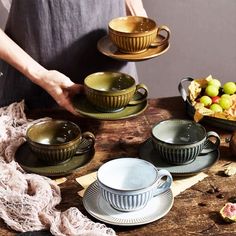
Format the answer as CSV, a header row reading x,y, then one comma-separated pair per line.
x,y
55,148
129,191
183,147
134,38
114,95
111,96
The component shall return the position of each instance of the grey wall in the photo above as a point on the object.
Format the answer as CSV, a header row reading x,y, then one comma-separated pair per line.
x,y
3,15
203,42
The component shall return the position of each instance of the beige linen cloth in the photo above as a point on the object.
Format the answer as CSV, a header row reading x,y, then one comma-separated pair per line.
x,y
28,201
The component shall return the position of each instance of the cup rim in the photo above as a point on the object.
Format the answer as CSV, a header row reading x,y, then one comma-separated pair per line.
x,y
107,92
33,142
176,143
146,188
110,27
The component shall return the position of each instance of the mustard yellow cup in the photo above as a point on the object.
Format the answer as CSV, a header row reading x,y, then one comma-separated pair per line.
x,y
135,34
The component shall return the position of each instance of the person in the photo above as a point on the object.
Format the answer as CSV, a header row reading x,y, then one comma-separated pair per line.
x,y
49,47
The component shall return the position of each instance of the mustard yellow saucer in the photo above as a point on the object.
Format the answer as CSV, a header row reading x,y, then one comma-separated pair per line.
x,y
106,47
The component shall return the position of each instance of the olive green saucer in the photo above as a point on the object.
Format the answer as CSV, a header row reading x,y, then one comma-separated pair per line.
x,y
29,162
85,108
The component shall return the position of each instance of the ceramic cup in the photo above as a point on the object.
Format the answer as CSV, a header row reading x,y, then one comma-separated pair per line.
x,y
180,141
128,184
135,34
55,141
112,91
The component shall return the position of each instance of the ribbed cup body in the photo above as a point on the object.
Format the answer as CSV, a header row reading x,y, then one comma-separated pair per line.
x,y
132,43
178,154
132,34
126,200
109,102
54,141
54,154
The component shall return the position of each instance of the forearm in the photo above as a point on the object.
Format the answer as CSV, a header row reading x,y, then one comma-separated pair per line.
x,y
19,59
135,8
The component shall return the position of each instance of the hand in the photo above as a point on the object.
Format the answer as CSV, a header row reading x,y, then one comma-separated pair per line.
x,y
61,88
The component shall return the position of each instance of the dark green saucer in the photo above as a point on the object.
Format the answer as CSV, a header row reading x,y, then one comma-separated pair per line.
x,y
29,162
201,163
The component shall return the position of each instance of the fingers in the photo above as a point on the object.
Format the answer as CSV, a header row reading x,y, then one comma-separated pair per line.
x,y
67,104
76,89
62,89
66,95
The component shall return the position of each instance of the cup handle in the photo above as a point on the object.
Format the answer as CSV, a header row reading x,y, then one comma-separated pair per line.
x,y
210,146
89,142
165,39
166,184
139,97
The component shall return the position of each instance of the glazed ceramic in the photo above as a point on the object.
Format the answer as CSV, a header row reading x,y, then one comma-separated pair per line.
x,y
112,91
135,34
201,163
99,208
86,109
55,141
128,184
180,141
106,47
32,164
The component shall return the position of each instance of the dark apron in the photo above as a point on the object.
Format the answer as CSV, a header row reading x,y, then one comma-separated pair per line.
x,y
60,35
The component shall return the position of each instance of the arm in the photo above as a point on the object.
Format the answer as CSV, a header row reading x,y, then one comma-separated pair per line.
x,y
135,8
59,86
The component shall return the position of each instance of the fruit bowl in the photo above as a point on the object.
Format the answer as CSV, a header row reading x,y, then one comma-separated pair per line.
x,y
212,121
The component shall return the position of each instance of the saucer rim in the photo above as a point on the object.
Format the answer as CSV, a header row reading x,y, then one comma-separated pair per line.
x,y
39,170
215,158
93,187
129,57
105,115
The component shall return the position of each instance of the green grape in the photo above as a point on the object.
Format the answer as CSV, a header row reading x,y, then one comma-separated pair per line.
x,y
229,88
225,102
205,100
215,82
226,96
212,90
216,107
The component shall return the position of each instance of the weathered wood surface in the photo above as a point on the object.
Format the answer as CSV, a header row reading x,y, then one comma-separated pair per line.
x,y
195,211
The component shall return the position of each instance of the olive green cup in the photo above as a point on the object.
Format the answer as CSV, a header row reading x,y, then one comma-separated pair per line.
x,y
135,34
113,91
55,141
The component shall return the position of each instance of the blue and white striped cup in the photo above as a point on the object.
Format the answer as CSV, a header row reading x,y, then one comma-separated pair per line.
x,y
128,184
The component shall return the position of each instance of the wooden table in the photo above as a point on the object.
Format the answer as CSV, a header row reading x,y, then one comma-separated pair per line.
x,y
195,211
